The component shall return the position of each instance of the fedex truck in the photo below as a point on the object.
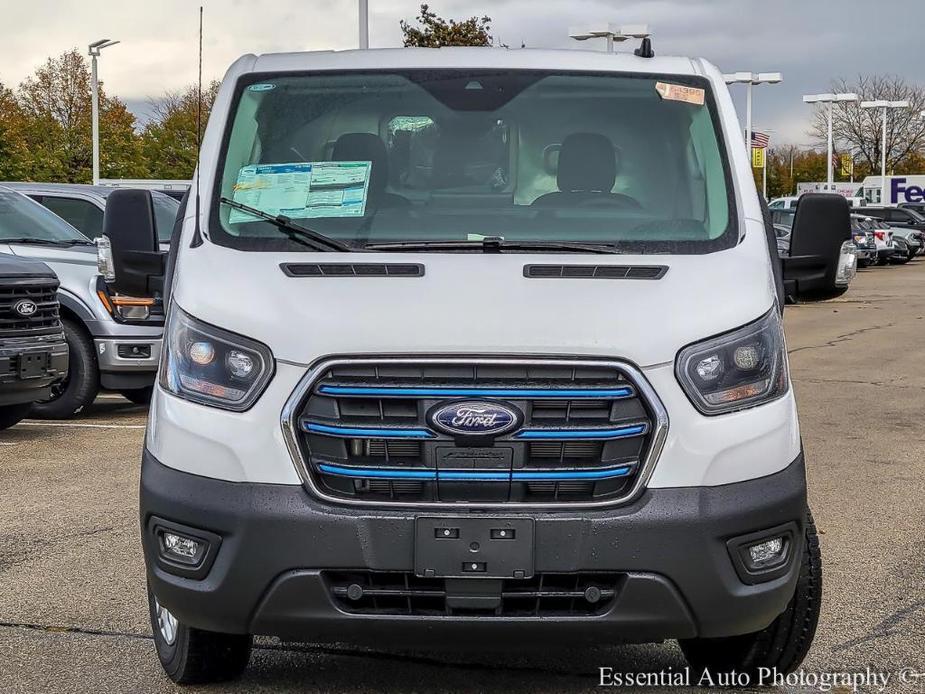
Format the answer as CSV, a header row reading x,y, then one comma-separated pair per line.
x,y
899,189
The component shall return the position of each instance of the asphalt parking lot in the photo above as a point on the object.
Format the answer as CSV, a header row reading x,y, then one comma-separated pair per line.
x,y
73,615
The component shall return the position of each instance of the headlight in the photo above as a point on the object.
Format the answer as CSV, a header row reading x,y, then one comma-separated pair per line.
x,y
742,368
212,366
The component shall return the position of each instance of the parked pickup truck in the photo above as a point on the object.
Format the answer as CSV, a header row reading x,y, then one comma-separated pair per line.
x,y
33,353
114,341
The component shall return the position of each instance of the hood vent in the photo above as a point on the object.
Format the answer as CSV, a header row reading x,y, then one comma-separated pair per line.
x,y
608,272
353,269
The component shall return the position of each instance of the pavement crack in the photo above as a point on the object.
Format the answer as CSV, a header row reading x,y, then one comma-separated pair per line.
x,y
841,338
62,629
884,629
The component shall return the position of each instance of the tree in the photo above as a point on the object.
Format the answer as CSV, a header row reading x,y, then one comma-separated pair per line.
x,y
13,149
861,129
170,140
55,107
436,32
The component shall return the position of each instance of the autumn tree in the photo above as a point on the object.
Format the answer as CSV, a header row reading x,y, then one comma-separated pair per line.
x,y
436,32
55,107
860,130
12,143
170,139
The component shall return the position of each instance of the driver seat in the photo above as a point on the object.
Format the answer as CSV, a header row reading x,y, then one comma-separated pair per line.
x,y
586,173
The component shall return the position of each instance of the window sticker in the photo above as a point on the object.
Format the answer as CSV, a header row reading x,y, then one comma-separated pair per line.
x,y
303,189
680,92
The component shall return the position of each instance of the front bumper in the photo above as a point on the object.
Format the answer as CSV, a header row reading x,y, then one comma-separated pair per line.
x,y
274,543
128,362
21,384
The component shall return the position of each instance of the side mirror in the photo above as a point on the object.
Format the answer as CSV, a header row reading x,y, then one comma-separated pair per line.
x,y
820,228
128,224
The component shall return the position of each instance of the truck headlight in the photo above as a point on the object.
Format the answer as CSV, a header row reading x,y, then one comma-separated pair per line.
x,y
742,368
211,366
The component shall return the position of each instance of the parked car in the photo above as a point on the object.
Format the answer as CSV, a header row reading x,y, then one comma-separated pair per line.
x,y
896,216
784,203
864,240
114,341
918,207
33,352
782,234
883,237
82,206
783,216
901,252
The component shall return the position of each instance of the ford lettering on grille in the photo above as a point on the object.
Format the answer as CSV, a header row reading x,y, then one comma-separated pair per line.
x,y
475,418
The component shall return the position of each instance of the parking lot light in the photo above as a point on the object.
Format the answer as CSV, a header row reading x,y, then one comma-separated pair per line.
x,y
750,79
94,53
885,105
830,99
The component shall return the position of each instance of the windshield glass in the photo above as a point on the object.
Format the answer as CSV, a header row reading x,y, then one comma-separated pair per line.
x,y
458,155
22,218
165,214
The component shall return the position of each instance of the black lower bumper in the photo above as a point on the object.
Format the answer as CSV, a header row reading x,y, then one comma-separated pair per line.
x,y
27,371
275,548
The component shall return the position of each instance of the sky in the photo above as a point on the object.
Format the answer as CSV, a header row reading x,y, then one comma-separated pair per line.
x,y
809,41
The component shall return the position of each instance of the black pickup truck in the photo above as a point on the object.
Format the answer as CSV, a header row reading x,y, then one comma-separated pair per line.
x,y
33,352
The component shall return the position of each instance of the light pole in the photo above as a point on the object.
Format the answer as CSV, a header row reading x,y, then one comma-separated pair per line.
x,y
612,33
364,23
885,105
750,79
95,49
830,99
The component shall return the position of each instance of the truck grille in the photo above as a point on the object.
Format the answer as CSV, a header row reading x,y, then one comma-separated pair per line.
x,y
44,321
579,594
587,432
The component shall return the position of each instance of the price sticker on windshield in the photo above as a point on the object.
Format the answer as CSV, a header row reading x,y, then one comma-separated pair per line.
x,y
680,92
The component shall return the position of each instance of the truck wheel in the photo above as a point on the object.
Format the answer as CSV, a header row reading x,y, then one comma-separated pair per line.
x,y
783,644
194,656
139,396
13,414
80,386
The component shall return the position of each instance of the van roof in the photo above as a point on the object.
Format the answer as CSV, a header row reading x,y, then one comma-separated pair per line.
x,y
474,58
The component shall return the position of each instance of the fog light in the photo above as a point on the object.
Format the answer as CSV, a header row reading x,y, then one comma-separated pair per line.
x,y
766,552
180,547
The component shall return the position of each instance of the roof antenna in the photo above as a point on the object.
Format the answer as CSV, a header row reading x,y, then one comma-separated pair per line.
x,y
197,233
645,49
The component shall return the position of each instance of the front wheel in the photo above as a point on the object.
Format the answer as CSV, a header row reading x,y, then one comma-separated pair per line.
x,y
80,386
13,414
191,656
784,643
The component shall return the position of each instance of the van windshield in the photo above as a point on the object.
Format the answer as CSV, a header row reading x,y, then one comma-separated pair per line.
x,y
636,162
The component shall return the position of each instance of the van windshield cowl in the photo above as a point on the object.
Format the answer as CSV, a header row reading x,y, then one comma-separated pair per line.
x,y
441,160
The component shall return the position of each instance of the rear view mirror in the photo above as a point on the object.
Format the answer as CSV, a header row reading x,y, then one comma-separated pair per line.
x,y
821,226
129,225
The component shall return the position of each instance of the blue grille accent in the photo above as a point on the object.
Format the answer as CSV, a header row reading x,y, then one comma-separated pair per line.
x,y
550,393
366,432
581,434
476,475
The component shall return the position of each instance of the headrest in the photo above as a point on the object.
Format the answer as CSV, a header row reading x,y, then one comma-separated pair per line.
x,y
365,147
586,163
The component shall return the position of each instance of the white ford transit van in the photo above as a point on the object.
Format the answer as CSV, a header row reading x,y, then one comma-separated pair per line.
x,y
471,346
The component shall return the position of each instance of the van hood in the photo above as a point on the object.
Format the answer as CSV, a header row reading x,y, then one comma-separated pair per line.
x,y
474,303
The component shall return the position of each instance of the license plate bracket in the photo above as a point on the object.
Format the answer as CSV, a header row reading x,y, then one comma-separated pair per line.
x,y
33,365
465,547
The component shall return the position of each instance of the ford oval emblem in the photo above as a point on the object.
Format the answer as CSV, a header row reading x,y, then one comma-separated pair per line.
x,y
475,418
25,307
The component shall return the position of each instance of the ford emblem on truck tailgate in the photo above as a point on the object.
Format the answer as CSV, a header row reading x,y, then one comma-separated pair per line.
x,y
475,418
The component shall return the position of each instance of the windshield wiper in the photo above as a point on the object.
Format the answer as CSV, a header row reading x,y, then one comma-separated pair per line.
x,y
296,232
48,242
495,244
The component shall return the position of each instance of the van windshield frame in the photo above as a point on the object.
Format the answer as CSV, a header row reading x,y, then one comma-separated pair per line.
x,y
414,221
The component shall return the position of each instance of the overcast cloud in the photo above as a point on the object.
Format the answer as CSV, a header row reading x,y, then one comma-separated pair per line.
x,y
810,41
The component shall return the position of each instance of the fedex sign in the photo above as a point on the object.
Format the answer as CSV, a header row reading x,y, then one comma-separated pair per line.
x,y
910,193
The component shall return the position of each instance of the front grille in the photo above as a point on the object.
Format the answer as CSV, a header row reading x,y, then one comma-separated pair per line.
x,y
44,321
580,594
364,434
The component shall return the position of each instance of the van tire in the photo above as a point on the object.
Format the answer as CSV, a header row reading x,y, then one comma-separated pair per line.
x,y
11,415
196,656
139,396
82,383
785,642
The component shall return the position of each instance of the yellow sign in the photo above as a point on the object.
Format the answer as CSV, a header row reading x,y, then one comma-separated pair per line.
x,y
847,164
758,157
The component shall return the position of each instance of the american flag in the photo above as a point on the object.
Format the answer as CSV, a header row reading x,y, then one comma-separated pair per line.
x,y
760,140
